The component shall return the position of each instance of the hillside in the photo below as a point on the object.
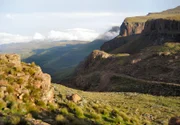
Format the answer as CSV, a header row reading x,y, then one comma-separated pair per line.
x,y
146,62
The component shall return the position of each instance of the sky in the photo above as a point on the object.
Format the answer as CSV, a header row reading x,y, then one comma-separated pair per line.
x,y
26,20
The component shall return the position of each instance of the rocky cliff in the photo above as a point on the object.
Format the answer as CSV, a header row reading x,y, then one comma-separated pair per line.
x,y
22,83
165,23
135,25
131,28
162,26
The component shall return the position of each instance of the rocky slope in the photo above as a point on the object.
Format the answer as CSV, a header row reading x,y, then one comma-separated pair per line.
x,y
23,87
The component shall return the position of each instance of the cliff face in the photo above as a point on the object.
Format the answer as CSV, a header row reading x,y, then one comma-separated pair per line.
x,y
166,26
164,23
23,82
128,28
155,32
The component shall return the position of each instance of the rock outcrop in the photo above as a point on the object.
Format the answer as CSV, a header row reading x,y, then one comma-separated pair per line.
x,y
75,98
24,82
92,60
131,28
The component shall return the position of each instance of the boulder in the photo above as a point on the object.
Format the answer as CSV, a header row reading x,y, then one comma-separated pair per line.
x,y
75,98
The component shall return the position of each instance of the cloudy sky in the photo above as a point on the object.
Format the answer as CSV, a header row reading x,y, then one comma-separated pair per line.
x,y
26,20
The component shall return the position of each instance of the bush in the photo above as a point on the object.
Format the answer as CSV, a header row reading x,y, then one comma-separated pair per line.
x,y
64,111
10,89
20,81
13,120
79,112
95,116
2,104
124,116
60,119
40,103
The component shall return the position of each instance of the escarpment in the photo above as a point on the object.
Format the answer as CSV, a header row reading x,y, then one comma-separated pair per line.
x,y
159,27
162,26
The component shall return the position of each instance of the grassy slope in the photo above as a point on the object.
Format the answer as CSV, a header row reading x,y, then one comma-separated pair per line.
x,y
128,108
101,108
168,14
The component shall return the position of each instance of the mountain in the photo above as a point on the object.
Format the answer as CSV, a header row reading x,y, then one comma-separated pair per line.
x,y
60,62
144,59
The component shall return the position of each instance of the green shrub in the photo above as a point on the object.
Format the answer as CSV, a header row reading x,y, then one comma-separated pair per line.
x,y
33,64
60,119
31,71
114,113
10,98
10,80
31,107
124,116
2,104
40,103
118,119
95,116
20,81
2,77
13,120
79,112
64,111
52,106
10,89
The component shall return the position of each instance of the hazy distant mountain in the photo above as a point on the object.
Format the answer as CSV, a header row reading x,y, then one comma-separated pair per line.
x,y
26,49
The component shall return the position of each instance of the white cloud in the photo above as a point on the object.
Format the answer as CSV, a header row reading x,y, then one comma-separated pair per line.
x,y
11,38
110,34
10,16
38,36
73,34
69,34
